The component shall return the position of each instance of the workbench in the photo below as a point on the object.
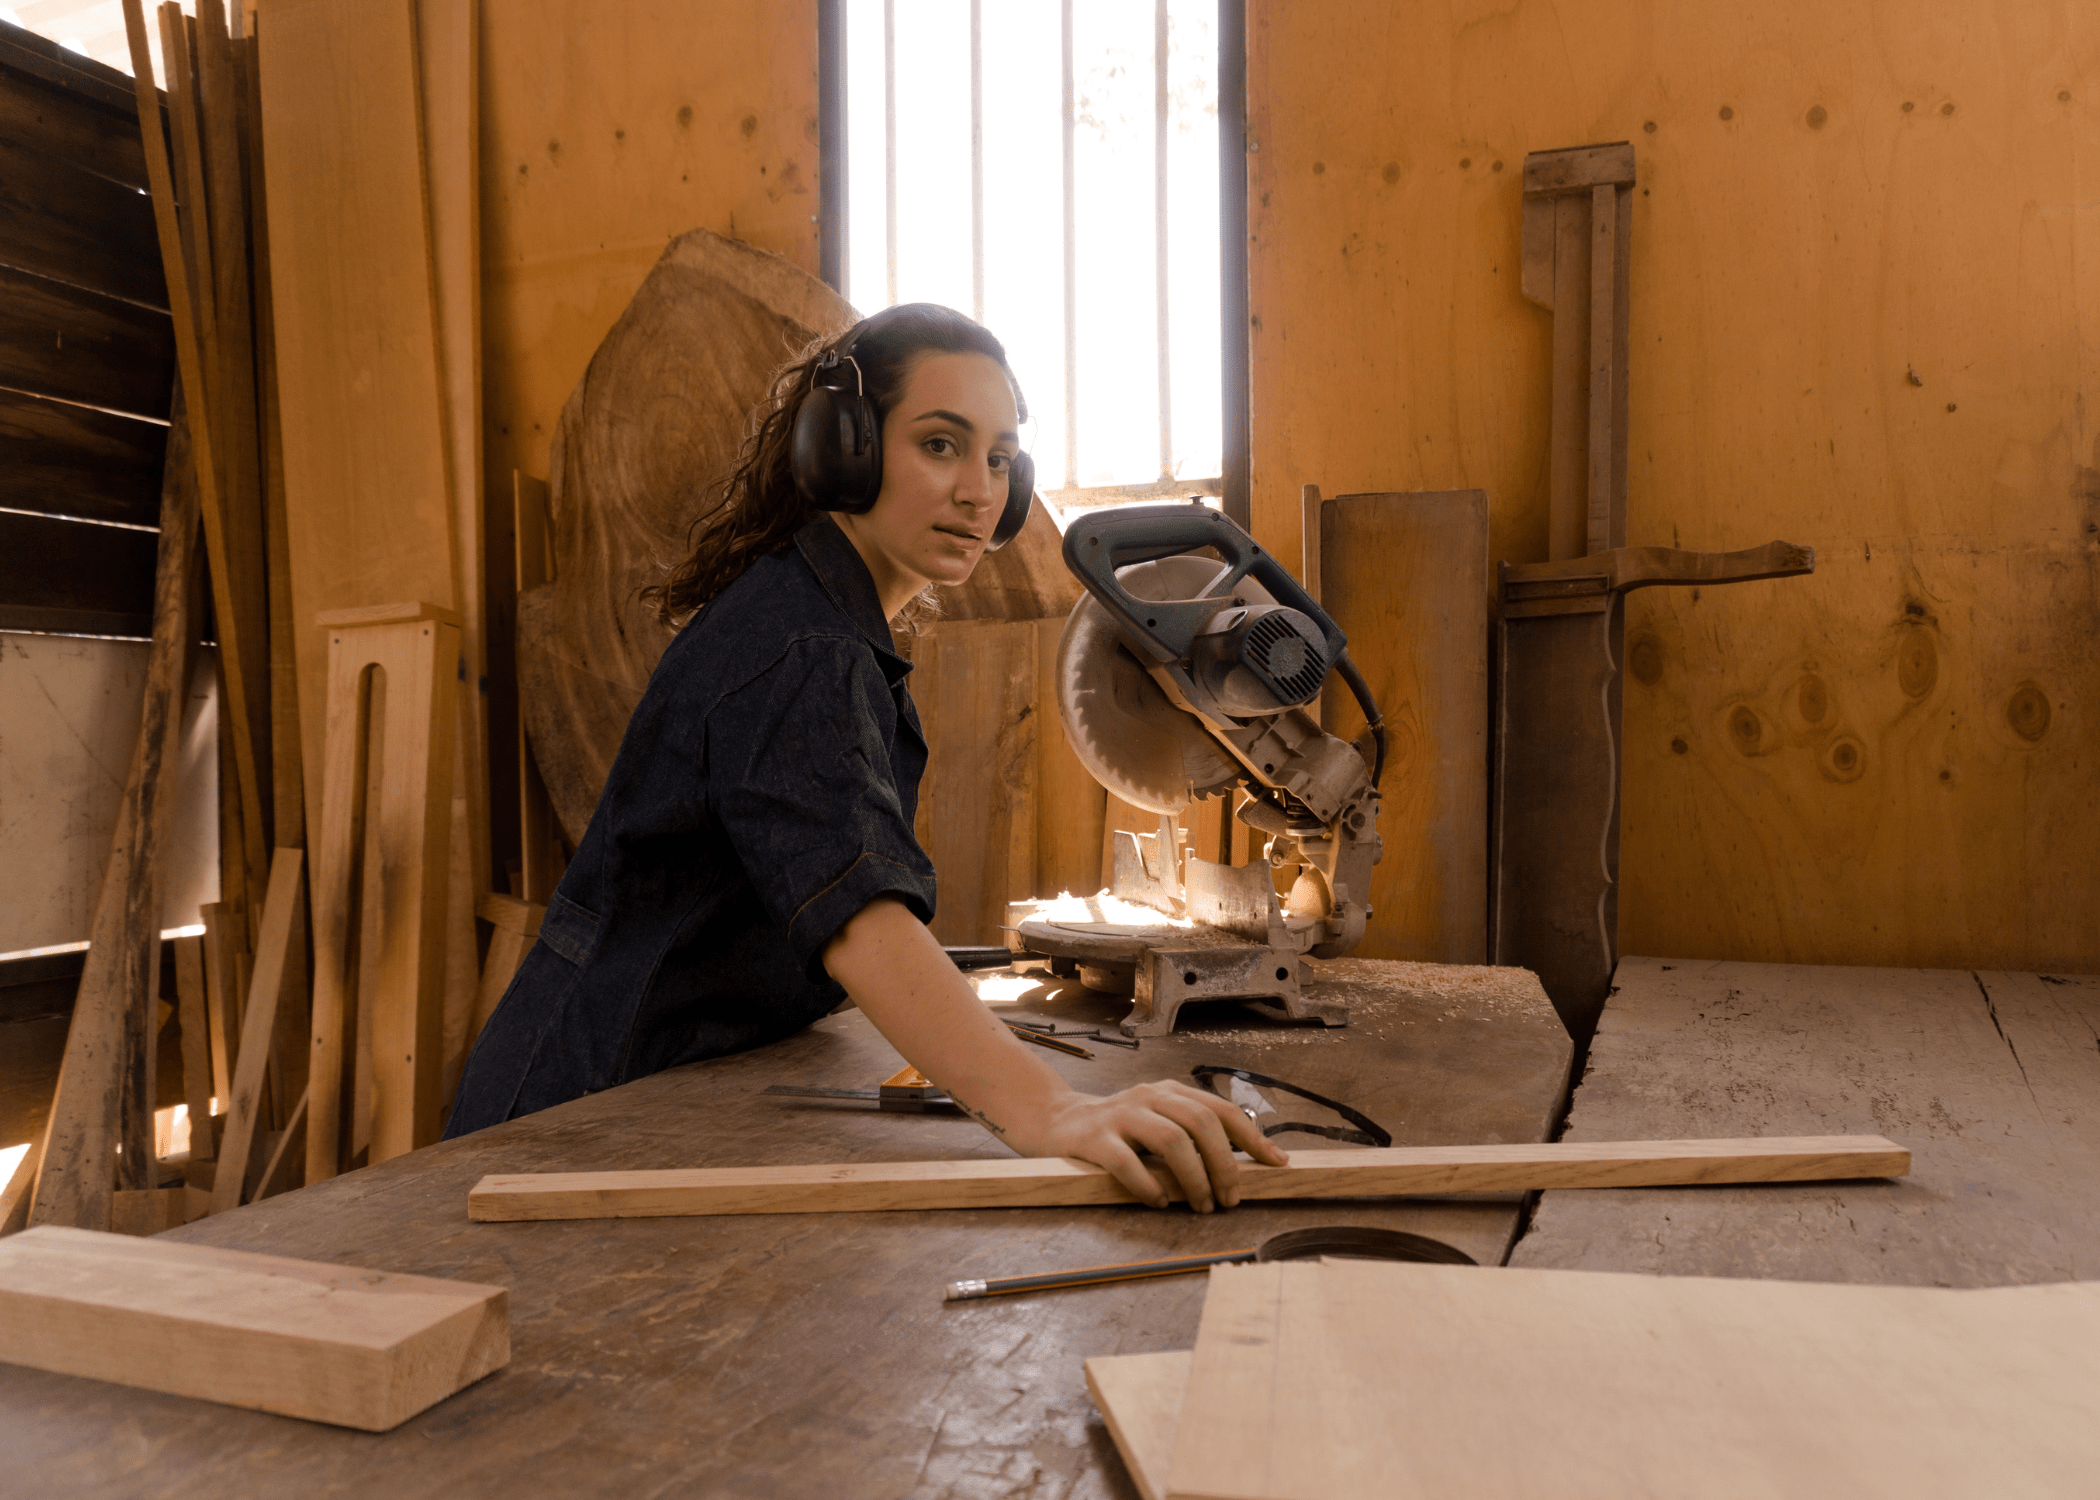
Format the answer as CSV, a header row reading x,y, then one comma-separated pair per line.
x,y
810,1354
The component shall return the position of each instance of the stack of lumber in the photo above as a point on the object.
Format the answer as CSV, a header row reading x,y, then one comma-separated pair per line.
x,y
1344,1379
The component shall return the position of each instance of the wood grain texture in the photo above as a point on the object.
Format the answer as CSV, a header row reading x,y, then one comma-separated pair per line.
x,y
1802,244
194,1017
1406,577
71,460
86,134
615,1327
61,222
358,379
1139,1396
328,1343
1354,1172
1992,1080
59,340
1629,1385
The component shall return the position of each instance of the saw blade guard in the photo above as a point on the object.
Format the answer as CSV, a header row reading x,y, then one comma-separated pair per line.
x,y
1125,730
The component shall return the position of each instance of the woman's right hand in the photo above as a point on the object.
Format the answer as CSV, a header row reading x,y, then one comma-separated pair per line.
x,y
1192,1132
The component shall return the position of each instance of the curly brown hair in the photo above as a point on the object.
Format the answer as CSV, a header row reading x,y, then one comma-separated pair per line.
x,y
756,507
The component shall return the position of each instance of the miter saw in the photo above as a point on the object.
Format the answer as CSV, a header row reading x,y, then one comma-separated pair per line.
x,y
1183,676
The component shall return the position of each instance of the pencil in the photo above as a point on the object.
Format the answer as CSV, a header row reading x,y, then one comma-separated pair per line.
x,y
966,1291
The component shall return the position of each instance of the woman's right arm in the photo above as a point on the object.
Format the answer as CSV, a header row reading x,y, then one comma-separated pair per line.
x,y
900,977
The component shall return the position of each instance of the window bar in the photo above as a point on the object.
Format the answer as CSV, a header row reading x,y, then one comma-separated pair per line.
x,y
977,159
1071,266
1233,346
832,194
889,141
1159,236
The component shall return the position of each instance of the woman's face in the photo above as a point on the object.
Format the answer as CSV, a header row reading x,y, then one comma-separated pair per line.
x,y
947,447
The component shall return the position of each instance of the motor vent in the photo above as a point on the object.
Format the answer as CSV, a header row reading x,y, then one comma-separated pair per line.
x,y
1286,650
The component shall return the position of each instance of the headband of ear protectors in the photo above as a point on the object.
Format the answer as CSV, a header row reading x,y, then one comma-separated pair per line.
x,y
835,450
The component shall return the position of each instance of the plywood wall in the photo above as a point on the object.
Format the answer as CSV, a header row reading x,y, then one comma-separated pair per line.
x,y
606,131
1866,317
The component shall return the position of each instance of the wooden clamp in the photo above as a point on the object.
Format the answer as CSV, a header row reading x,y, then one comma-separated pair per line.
x,y
381,863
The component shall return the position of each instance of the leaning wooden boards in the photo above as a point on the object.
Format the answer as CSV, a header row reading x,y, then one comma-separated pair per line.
x,y
336,1344
1350,1380
1036,1183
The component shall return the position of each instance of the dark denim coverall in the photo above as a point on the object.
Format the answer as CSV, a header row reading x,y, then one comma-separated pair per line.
x,y
764,793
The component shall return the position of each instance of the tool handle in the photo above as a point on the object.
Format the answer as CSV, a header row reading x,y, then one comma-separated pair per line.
x,y
1098,544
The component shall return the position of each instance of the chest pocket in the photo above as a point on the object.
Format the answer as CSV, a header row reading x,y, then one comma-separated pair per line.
x,y
570,930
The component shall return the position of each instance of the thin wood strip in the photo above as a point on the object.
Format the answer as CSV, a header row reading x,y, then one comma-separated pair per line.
x,y
1369,1172
190,361
288,1161
18,1191
194,1016
120,981
1604,258
281,910
341,1344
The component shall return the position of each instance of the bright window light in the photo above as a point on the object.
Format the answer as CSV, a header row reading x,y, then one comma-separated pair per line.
x,y
1051,168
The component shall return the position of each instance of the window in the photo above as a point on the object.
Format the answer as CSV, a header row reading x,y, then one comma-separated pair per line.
x,y
1051,168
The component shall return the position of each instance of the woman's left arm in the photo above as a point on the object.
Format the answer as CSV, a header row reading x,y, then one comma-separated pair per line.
x,y
896,973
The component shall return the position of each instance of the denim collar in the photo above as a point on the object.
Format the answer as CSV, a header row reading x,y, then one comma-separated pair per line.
x,y
838,566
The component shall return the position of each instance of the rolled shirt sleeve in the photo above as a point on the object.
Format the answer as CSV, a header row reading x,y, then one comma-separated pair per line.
x,y
799,775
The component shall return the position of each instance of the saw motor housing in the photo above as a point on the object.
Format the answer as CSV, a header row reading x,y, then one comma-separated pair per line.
x,y
1182,677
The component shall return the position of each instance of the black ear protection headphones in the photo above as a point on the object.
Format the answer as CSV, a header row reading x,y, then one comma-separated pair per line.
x,y
835,450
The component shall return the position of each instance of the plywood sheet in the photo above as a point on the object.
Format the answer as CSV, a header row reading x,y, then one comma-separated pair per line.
x,y
341,1344
1829,204
1406,577
1140,1396
1350,1380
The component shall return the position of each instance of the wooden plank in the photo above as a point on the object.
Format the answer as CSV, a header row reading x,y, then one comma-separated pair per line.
x,y
516,926
48,563
221,997
340,1344
540,856
91,137
19,1190
1640,1385
58,340
60,459
191,323
121,978
23,53
1406,576
195,1020
361,396
75,227
287,1164
283,910
1986,1077
386,806
1139,1396
1353,1172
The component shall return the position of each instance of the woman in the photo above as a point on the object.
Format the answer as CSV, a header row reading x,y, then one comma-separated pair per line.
x,y
751,862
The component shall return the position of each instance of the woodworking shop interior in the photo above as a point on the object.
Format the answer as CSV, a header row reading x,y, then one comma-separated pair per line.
x,y
1198,748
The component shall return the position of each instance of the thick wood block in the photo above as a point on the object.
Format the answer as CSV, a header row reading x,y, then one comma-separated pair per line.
x,y
1350,1380
336,1344
1030,1183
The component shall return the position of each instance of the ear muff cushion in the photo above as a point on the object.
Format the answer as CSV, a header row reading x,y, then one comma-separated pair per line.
x,y
835,450
1020,491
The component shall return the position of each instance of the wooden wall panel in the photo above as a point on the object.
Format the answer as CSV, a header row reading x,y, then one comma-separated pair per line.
x,y
57,340
60,459
1865,314
57,220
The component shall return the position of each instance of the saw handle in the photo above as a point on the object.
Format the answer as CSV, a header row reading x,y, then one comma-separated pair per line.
x,y
1098,544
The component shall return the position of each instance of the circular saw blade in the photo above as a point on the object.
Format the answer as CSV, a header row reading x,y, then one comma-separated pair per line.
x,y
1122,725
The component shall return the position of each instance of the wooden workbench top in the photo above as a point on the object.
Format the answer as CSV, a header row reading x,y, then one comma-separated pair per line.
x,y
1991,1079
804,1355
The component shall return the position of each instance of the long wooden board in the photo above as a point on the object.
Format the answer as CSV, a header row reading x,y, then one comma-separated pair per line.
x,y
866,1187
1351,1380
339,1344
